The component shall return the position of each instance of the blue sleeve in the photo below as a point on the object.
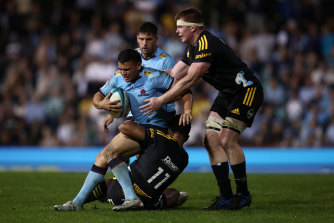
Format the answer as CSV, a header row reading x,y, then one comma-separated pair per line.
x,y
108,86
169,63
163,80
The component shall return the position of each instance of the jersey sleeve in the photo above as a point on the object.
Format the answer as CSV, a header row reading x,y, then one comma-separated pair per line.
x,y
109,85
185,58
163,81
169,63
204,51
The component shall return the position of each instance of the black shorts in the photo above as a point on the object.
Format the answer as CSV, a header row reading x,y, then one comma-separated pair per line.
x,y
241,106
115,192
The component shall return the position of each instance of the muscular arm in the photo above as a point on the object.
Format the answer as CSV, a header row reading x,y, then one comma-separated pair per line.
x,y
195,72
132,130
179,70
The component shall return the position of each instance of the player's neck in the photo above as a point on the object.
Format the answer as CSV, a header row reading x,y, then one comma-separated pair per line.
x,y
196,37
149,56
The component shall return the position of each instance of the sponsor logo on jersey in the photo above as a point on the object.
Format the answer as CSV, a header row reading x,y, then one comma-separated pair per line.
x,y
202,43
143,93
202,55
147,72
250,113
235,111
163,55
249,97
240,78
117,73
170,164
140,191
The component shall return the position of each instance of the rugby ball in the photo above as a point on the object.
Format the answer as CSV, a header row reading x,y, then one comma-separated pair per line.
x,y
120,94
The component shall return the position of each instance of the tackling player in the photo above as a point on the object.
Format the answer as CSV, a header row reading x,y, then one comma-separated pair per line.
x,y
162,158
240,97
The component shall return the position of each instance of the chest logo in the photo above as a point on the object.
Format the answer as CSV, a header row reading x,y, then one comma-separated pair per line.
x,y
142,93
240,78
202,55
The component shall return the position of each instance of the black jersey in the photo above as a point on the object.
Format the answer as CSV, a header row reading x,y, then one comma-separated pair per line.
x,y
159,164
227,73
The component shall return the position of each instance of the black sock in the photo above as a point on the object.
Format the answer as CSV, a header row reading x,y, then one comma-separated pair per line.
x,y
99,170
114,162
221,171
98,193
240,177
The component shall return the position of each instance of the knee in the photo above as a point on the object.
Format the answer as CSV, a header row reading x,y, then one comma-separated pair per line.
x,y
210,140
226,142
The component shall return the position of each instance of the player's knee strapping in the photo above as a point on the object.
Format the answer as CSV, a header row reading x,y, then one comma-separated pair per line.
x,y
217,124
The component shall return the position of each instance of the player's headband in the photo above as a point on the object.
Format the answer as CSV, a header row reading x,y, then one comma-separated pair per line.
x,y
184,23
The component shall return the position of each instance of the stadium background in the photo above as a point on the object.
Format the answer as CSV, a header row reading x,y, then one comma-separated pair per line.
x,y
56,54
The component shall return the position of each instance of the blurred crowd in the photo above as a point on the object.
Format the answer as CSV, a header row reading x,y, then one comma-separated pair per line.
x,y
56,54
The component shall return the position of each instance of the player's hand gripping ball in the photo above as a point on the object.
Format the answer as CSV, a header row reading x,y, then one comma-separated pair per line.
x,y
120,94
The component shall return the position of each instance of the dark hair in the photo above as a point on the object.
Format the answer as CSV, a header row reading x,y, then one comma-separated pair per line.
x,y
148,27
174,126
190,15
129,55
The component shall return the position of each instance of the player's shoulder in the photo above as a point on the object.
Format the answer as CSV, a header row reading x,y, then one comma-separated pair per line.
x,y
163,55
138,50
151,72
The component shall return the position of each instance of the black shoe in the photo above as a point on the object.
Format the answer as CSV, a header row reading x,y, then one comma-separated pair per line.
x,y
222,203
244,200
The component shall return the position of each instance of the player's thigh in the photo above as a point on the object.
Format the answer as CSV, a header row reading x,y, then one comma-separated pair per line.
x,y
121,145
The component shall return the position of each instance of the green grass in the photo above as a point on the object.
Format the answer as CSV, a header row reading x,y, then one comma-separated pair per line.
x,y
30,196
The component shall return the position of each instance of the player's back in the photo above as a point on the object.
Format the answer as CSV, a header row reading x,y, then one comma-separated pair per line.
x,y
159,165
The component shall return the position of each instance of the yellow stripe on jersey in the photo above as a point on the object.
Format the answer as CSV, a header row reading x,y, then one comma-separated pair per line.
x,y
249,97
200,45
164,135
205,41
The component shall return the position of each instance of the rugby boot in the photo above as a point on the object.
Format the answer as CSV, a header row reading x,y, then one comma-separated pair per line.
x,y
244,200
134,203
68,206
222,203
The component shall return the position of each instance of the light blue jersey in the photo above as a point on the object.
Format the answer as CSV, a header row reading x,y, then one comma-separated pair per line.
x,y
152,83
160,61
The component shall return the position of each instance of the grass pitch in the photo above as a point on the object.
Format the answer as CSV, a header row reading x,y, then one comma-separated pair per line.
x,y
30,196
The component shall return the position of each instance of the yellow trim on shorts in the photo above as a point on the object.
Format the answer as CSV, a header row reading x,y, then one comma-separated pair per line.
x,y
249,97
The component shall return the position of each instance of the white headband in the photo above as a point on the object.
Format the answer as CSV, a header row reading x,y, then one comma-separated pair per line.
x,y
184,23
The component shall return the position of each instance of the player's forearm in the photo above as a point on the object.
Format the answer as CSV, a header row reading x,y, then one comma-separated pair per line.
x,y
98,97
178,89
187,100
